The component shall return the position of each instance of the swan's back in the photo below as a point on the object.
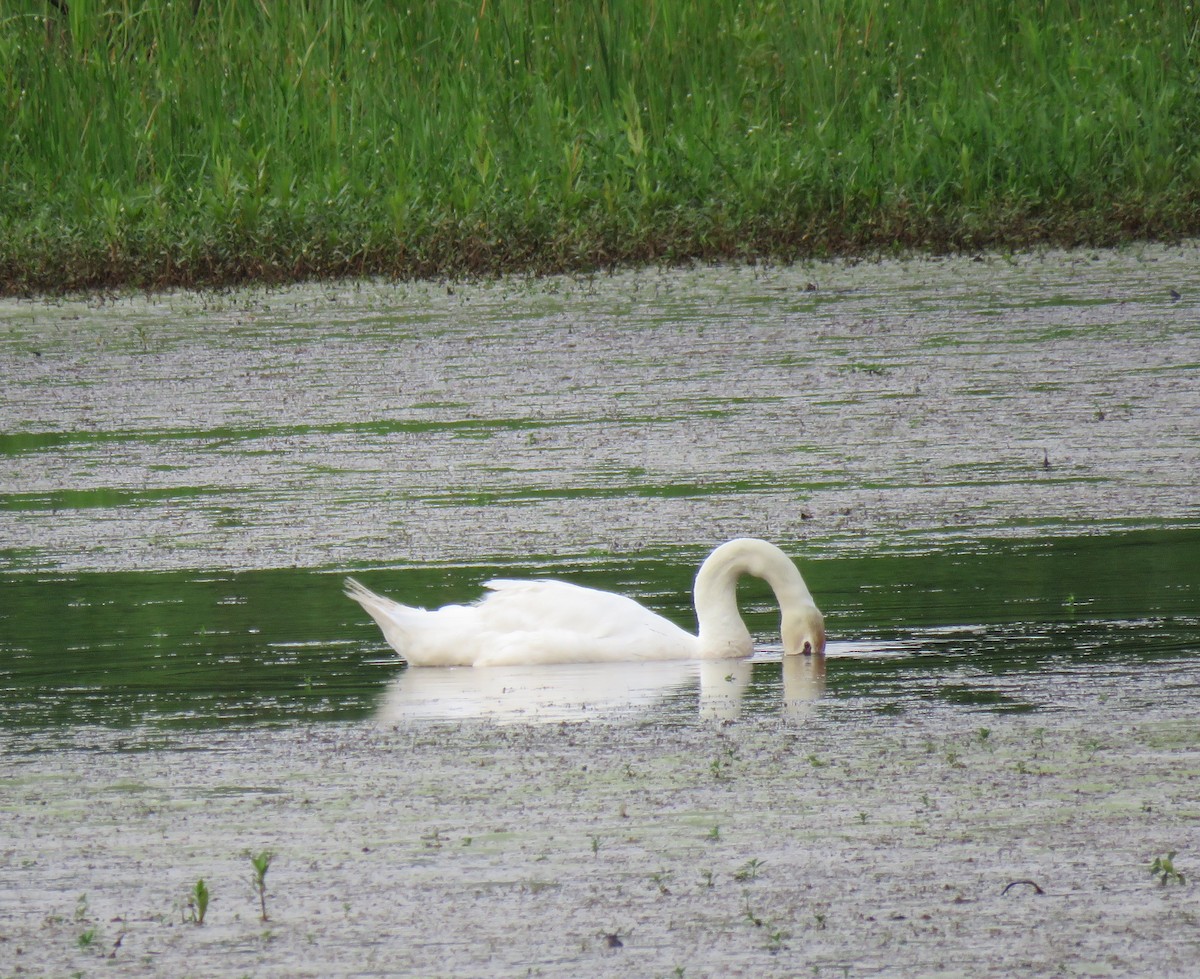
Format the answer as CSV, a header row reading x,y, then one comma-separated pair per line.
x,y
549,621
527,622
552,604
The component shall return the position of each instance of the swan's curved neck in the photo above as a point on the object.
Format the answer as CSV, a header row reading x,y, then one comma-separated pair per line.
x,y
721,629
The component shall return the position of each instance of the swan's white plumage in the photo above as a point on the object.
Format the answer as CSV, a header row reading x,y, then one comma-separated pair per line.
x,y
546,621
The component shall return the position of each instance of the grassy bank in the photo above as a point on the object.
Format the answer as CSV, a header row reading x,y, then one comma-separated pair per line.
x,y
152,143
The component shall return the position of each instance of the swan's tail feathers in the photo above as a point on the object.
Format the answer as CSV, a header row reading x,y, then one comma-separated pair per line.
x,y
361,593
382,610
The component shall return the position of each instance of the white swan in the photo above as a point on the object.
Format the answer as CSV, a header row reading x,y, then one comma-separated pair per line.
x,y
532,622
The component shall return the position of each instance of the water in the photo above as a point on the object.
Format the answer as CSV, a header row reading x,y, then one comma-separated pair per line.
x,y
1015,627
987,469
899,405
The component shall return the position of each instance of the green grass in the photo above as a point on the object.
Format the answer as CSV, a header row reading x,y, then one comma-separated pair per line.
x,y
156,143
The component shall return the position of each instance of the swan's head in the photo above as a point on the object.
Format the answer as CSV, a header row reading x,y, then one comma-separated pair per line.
x,y
803,632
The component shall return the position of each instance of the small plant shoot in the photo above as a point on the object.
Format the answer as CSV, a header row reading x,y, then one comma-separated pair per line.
x,y
261,863
1164,869
198,902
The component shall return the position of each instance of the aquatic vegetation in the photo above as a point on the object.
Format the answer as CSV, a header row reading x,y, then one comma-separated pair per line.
x,y
198,901
776,937
749,914
1163,867
720,765
749,870
777,940
261,863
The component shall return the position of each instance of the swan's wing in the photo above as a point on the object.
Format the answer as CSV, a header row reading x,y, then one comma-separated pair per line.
x,y
544,646
551,605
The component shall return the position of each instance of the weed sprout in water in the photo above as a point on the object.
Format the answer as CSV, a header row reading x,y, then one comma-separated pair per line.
x,y
261,864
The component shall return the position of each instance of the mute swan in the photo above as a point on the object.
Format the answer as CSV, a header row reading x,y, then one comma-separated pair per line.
x,y
533,622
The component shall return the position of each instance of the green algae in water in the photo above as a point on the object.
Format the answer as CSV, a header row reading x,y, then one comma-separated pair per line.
x,y
1002,628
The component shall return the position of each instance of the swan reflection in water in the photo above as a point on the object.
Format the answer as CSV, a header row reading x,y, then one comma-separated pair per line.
x,y
590,691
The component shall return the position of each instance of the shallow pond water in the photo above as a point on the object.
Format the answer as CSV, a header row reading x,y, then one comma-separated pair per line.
x,y
1013,627
894,406
968,456
987,470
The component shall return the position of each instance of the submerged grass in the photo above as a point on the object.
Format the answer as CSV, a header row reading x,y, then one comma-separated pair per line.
x,y
157,143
